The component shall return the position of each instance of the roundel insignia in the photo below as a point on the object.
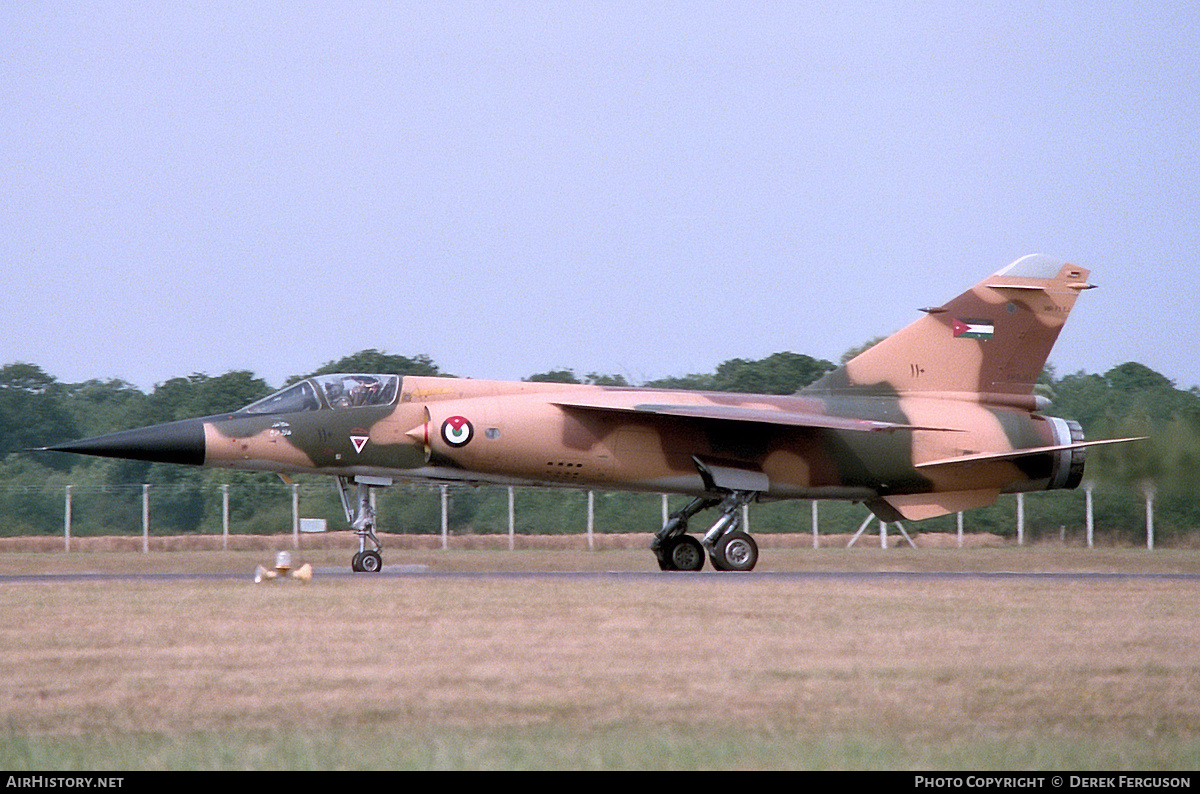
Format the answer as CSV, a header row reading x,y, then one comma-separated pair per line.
x,y
457,431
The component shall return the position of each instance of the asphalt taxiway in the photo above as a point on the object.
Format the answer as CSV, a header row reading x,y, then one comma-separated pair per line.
x,y
421,571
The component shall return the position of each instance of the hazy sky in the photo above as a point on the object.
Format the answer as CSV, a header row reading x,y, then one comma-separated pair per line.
x,y
624,187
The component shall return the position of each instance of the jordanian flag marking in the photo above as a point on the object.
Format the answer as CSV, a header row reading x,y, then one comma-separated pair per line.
x,y
457,431
359,442
973,329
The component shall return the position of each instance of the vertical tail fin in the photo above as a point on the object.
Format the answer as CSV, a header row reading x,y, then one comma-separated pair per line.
x,y
993,339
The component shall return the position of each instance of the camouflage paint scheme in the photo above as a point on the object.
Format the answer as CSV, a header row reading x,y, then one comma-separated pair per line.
x,y
939,417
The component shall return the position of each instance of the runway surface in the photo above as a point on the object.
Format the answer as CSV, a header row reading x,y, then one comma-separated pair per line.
x,y
420,571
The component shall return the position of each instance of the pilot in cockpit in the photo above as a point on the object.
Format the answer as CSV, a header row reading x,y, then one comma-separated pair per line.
x,y
365,391
335,394
352,391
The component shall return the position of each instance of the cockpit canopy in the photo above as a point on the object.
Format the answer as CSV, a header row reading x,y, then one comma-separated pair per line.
x,y
329,391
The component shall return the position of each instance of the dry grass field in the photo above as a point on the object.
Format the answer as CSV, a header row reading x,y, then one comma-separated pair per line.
x,y
664,671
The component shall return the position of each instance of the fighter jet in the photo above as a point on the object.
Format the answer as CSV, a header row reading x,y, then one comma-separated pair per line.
x,y
938,418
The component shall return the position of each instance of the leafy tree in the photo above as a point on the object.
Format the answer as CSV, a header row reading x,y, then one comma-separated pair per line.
x,y
102,406
569,376
28,505
31,409
202,395
606,380
28,378
1081,396
176,496
778,373
1134,400
693,382
1132,377
554,376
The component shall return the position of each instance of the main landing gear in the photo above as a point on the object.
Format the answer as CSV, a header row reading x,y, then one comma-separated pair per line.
x,y
727,546
362,520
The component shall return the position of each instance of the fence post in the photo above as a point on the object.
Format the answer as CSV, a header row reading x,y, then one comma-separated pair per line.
x,y
1087,492
1149,490
816,537
145,518
512,520
445,519
67,520
296,514
960,529
591,521
1020,519
225,516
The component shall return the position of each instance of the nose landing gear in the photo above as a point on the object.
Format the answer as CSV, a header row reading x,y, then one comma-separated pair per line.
x,y
361,518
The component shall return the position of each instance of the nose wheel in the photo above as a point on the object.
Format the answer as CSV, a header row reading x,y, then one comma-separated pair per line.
x,y
366,562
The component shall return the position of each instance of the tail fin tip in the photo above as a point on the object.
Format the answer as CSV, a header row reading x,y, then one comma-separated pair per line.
x,y
994,338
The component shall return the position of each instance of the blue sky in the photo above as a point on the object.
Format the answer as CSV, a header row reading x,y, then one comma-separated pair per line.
x,y
637,188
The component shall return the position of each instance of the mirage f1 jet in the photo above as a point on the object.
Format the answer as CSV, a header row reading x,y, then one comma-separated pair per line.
x,y
938,418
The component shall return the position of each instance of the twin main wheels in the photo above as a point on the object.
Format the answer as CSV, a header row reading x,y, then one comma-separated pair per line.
x,y
735,551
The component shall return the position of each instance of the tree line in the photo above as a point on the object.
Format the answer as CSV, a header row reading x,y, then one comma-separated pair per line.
x,y
36,410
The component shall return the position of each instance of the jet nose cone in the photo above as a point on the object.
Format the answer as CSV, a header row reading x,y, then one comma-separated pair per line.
x,y
174,442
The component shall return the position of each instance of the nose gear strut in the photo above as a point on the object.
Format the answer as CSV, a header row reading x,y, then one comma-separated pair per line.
x,y
361,518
